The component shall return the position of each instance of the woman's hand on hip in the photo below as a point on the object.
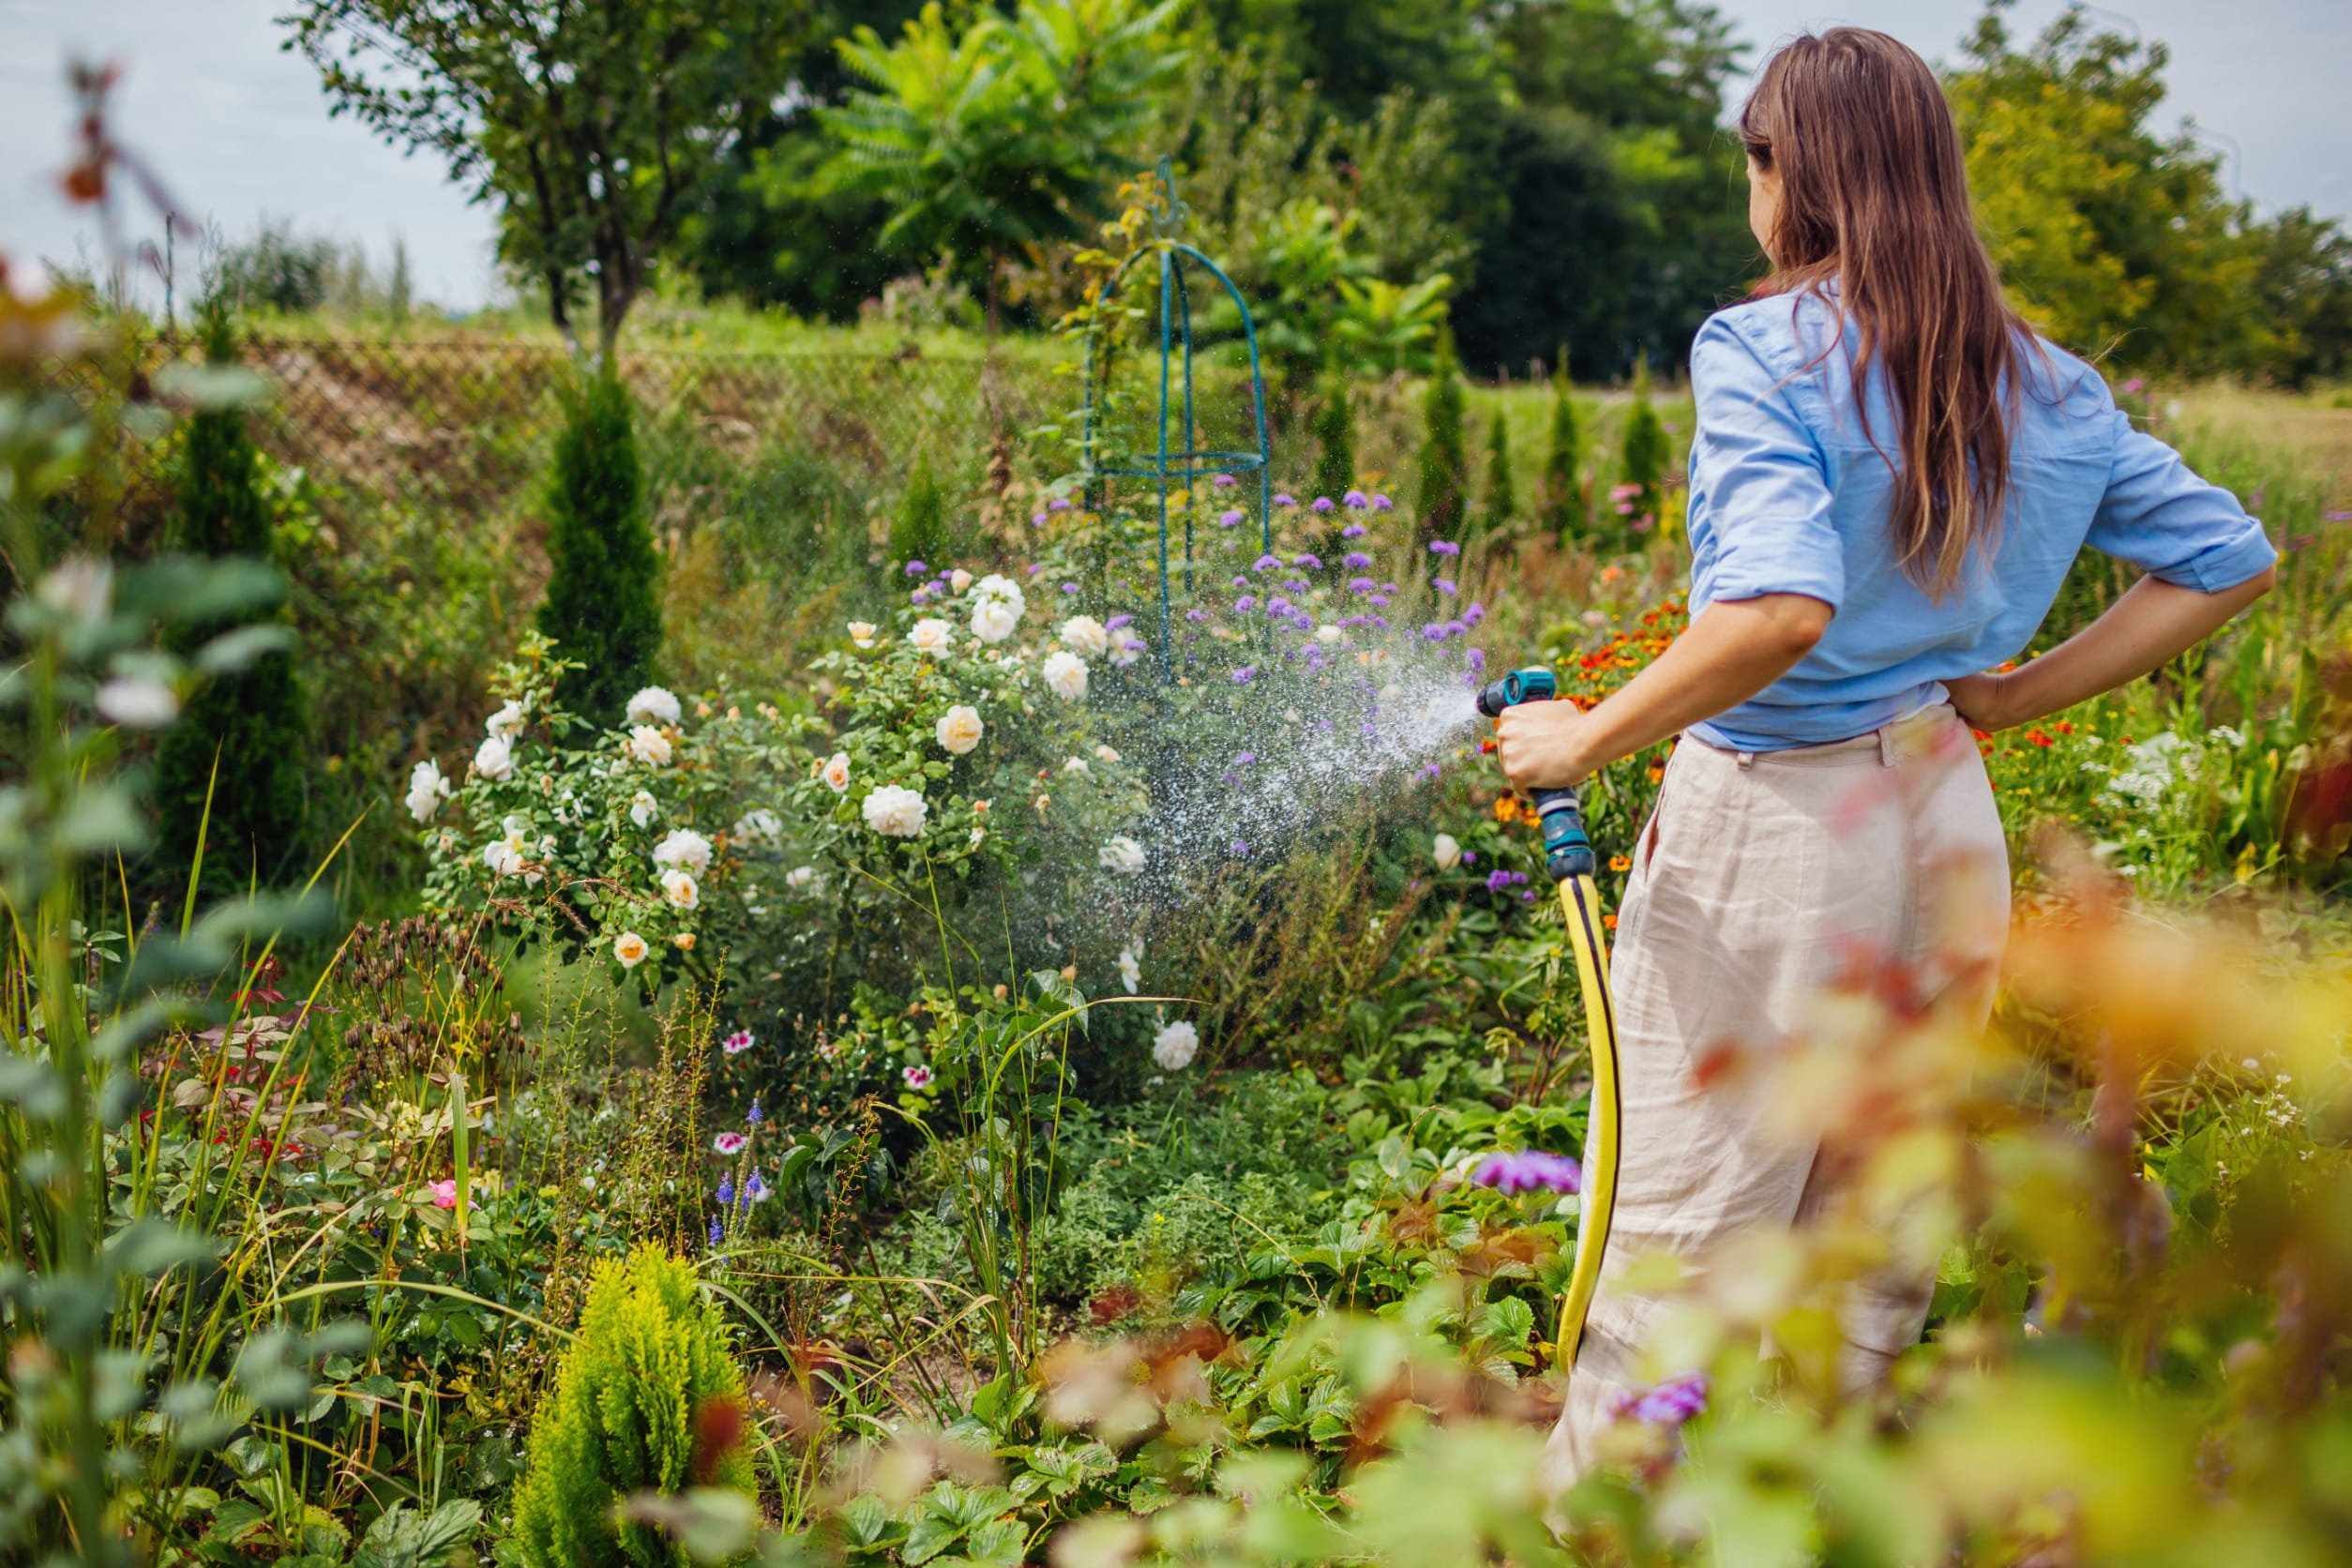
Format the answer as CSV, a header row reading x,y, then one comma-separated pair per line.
x,y
1984,701
1537,744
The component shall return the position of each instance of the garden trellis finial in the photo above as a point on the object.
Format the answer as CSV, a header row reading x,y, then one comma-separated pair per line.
x,y
1185,461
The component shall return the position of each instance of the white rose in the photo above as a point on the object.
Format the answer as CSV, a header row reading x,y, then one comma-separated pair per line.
x,y
896,811
648,746
801,877
654,704
960,729
1076,764
1065,675
1001,589
507,722
684,846
1121,854
1448,850
837,772
1174,1047
1129,651
678,887
757,825
1106,754
426,789
931,636
862,633
960,580
1084,635
643,809
1328,633
494,759
1130,968
993,620
630,949
503,858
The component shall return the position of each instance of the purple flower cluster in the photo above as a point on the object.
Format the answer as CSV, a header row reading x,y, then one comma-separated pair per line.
x,y
1323,503
1444,546
1530,1170
1500,881
1669,1405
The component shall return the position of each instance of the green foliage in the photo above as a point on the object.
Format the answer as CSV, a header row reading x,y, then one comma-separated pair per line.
x,y
2114,236
584,198
1561,503
1642,460
983,133
603,604
252,724
1444,462
1335,433
1614,217
920,532
627,1416
1500,503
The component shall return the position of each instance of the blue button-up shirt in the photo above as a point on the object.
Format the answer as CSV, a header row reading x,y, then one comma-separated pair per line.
x,y
1787,495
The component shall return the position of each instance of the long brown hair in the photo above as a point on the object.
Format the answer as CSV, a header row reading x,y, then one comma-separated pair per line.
x,y
1875,195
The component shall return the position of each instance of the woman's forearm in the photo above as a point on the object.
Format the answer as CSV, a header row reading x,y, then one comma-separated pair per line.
x,y
2152,623
1731,652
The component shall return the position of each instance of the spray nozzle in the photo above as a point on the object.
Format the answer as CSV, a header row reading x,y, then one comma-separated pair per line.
x,y
1567,848
1520,686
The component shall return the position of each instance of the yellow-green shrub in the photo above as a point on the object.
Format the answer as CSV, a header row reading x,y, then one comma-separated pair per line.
x,y
651,1353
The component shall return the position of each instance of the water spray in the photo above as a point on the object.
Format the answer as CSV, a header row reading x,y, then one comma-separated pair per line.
x,y
1568,856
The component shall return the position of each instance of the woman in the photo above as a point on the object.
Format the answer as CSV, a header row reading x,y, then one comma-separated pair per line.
x,y
1889,478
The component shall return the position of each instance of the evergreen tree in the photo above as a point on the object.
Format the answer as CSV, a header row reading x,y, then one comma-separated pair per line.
x,y
1643,464
254,723
1563,501
1444,457
919,531
651,1356
1334,427
1502,500
603,603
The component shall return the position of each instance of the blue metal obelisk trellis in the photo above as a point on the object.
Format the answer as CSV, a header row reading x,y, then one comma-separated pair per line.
x,y
1185,461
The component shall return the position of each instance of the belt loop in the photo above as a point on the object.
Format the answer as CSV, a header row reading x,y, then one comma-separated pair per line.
x,y
1886,745
1747,761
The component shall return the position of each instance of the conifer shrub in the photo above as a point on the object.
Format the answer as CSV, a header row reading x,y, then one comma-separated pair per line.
x,y
1641,468
1444,455
920,530
1335,431
1502,497
1564,497
630,1402
254,722
603,603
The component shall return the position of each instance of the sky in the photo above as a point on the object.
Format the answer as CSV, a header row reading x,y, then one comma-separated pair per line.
x,y
239,130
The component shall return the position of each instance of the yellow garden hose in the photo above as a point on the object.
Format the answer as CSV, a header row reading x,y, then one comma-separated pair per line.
x,y
1580,901
1568,856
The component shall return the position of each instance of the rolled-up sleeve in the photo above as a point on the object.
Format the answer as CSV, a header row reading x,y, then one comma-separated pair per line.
x,y
2160,516
1760,477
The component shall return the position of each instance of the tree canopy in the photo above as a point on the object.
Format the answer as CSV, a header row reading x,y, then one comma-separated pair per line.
x,y
587,125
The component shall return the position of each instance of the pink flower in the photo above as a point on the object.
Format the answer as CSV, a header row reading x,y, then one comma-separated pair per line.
x,y
737,1042
446,1195
728,1143
917,1078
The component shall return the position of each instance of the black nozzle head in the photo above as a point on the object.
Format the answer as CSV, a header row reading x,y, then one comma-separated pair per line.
x,y
1520,686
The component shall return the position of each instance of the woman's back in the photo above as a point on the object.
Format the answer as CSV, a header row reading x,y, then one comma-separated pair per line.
x,y
1792,488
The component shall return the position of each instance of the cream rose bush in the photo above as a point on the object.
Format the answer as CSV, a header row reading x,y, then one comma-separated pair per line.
x,y
662,845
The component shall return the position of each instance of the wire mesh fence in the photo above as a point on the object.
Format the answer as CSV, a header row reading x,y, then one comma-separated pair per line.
x,y
463,426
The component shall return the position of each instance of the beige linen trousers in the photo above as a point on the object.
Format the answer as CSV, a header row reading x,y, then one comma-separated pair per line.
x,y
1758,879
